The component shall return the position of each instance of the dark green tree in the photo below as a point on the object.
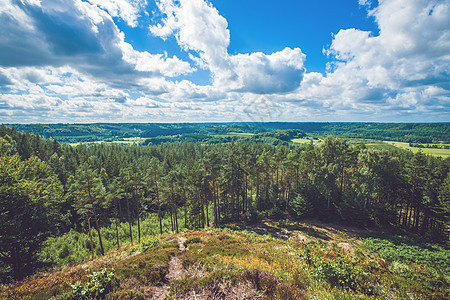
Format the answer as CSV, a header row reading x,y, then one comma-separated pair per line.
x,y
30,208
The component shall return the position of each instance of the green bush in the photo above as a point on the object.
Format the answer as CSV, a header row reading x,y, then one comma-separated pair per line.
x,y
149,242
97,286
344,273
192,241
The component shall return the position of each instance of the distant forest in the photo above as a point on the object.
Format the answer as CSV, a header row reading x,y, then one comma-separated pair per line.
x,y
161,132
50,190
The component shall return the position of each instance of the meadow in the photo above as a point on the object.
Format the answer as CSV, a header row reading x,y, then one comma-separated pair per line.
x,y
432,151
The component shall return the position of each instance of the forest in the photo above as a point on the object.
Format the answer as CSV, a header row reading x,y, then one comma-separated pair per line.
x,y
101,195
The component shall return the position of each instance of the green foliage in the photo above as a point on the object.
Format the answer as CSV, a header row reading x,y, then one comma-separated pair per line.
x,y
30,203
409,250
301,206
97,286
149,267
343,272
149,242
192,240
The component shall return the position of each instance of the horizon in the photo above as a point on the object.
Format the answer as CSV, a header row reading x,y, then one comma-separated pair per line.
x,y
225,122
223,61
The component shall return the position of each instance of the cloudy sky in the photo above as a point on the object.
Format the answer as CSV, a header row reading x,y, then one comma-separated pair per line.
x,y
224,60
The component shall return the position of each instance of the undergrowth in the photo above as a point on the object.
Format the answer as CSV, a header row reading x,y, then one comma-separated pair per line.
x,y
239,264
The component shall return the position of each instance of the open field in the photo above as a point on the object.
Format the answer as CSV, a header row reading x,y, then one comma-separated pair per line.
x,y
302,141
432,151
238,134
124,141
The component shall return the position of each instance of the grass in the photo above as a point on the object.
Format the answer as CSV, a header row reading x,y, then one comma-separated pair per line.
x,y
303,141
123,141
432,151
238,134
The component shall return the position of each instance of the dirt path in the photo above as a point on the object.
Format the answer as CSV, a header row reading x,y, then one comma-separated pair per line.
x,y
175,272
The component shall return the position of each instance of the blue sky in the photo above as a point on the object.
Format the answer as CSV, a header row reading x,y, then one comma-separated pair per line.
x,y
224,60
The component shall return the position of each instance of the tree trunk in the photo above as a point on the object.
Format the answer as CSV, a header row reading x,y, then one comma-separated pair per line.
x,y
215,203
129,219
245,194
207,211
159,206
176,217
203,207
185,209
138,214
90,234
117,229
96,223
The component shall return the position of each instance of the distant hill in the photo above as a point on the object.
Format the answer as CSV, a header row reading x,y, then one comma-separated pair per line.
x,y
403,132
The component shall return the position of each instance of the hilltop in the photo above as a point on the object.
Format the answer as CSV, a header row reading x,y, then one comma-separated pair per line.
x,y
269,260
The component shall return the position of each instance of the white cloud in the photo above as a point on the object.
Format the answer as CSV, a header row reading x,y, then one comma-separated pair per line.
x,y
129,11
80,35
155,63
144,101
395,70
266,74
199,27
365,2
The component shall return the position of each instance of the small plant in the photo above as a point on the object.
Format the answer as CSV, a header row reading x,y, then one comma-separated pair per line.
x,y
192,241
98,285
148,243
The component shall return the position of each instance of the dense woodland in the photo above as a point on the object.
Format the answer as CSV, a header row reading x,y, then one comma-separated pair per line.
x,y
48,189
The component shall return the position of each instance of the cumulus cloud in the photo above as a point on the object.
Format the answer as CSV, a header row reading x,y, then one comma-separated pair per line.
x,y
198,26
392,70
266,74
79,34
129,11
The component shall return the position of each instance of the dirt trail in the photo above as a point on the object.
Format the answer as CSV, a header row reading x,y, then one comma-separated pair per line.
x,y
175,272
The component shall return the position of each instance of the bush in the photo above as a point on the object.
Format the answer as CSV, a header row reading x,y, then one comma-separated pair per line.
x,y
275,213
148,243
192,241
344,273
252,215
98,285
261,280
301,206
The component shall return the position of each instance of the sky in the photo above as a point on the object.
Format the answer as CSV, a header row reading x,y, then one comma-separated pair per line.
x,y
91,61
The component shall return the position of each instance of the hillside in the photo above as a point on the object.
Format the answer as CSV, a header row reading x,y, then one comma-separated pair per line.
x,y
269,260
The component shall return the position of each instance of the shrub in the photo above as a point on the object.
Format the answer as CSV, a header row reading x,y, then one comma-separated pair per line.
x,y
192,241
275,213
285,291
301,206
344,273
148,243
97,286
260,280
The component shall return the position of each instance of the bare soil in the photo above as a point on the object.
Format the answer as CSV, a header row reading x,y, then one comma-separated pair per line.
x,y
176,272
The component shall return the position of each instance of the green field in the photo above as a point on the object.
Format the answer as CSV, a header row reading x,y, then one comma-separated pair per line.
x,y
306,141
124,141
238,134
432,151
